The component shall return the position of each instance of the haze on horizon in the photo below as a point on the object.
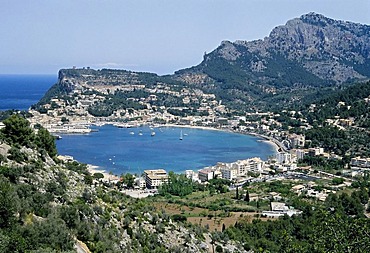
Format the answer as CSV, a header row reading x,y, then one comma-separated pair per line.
x,y
160,36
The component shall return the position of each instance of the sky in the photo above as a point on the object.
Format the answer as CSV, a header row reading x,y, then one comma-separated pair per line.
x,y
160,36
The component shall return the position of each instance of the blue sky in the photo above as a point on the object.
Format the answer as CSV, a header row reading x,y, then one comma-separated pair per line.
x,y
161,36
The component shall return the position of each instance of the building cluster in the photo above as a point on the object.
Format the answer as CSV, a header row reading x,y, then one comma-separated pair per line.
x,y
73,109
231,171
360,162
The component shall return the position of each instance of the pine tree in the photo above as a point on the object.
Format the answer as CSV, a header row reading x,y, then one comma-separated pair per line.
x,y
246,198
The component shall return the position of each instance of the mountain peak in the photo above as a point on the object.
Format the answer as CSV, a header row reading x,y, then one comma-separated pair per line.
x,y
307,52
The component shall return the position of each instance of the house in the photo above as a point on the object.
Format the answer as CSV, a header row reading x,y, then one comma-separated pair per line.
x,y
279,209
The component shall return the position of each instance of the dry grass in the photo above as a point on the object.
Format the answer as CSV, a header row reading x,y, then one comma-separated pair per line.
x,y
214,220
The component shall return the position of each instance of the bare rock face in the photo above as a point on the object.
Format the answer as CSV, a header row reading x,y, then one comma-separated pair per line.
x,y
4,148
331,50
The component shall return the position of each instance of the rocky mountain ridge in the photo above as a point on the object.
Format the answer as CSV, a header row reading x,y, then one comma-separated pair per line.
x,y
307,54
312,51
332,50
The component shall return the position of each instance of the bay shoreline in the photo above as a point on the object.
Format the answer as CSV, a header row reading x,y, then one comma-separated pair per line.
x,y
278,147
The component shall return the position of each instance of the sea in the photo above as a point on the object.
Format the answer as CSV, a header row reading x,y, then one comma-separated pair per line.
x,y
21,91
133,150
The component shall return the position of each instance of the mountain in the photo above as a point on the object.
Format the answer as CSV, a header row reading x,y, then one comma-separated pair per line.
x,y
307,52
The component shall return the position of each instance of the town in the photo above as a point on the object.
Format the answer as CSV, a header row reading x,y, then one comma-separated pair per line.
x,y
72,113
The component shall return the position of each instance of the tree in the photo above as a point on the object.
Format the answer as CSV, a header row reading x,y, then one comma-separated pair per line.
x,y
246,198
9,203
46,141
17,130
178,185
219,248
128,180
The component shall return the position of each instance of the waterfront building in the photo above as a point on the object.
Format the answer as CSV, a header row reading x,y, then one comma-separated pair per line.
x,y
297,141
283,157
206,174
140,182
256,164
191,174
155,178
229,173
300,154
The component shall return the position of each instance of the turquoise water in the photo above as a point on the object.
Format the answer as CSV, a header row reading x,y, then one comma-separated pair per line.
x,y
116,150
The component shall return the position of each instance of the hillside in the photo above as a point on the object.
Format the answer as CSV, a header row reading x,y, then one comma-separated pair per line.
x,y
51,205
306,53
47,204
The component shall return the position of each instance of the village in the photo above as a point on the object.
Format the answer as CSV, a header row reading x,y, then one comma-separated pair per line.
x,y
71,115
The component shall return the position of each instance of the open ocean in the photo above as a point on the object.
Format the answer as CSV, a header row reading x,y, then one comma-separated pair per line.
x,y
22,91
116,150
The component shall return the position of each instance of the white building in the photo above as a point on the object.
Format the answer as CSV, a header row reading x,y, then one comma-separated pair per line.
x,y
155,178
300,154
205,174
229,173
140,182
360,162
191,174
283,157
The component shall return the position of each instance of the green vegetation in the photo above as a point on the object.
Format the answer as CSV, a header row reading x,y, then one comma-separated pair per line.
x,y
178,185
44,206
17,132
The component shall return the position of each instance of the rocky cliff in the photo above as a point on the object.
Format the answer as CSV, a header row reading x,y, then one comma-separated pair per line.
x,y
307,52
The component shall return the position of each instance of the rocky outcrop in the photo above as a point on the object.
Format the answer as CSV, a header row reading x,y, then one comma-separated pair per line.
x,y
333,51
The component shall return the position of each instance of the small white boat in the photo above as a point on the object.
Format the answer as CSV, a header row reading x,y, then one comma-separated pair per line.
x,y
132,132
181,136
152,133
140,133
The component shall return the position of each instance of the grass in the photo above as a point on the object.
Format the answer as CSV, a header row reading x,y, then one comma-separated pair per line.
x,y
209,211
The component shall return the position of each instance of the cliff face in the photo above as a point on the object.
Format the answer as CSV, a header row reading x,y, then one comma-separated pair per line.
x,y
317,48
307,53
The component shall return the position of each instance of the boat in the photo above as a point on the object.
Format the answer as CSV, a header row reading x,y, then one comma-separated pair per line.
x,y
132,132
57,137
152,133
181,135
140,133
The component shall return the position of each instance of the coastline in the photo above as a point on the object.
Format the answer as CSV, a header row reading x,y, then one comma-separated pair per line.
x,y
92,169
278,147
275,144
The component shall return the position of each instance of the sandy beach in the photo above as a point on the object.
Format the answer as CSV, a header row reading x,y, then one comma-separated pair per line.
x,y
107,176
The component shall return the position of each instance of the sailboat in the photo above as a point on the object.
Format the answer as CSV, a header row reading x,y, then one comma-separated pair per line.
x,y
181,135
